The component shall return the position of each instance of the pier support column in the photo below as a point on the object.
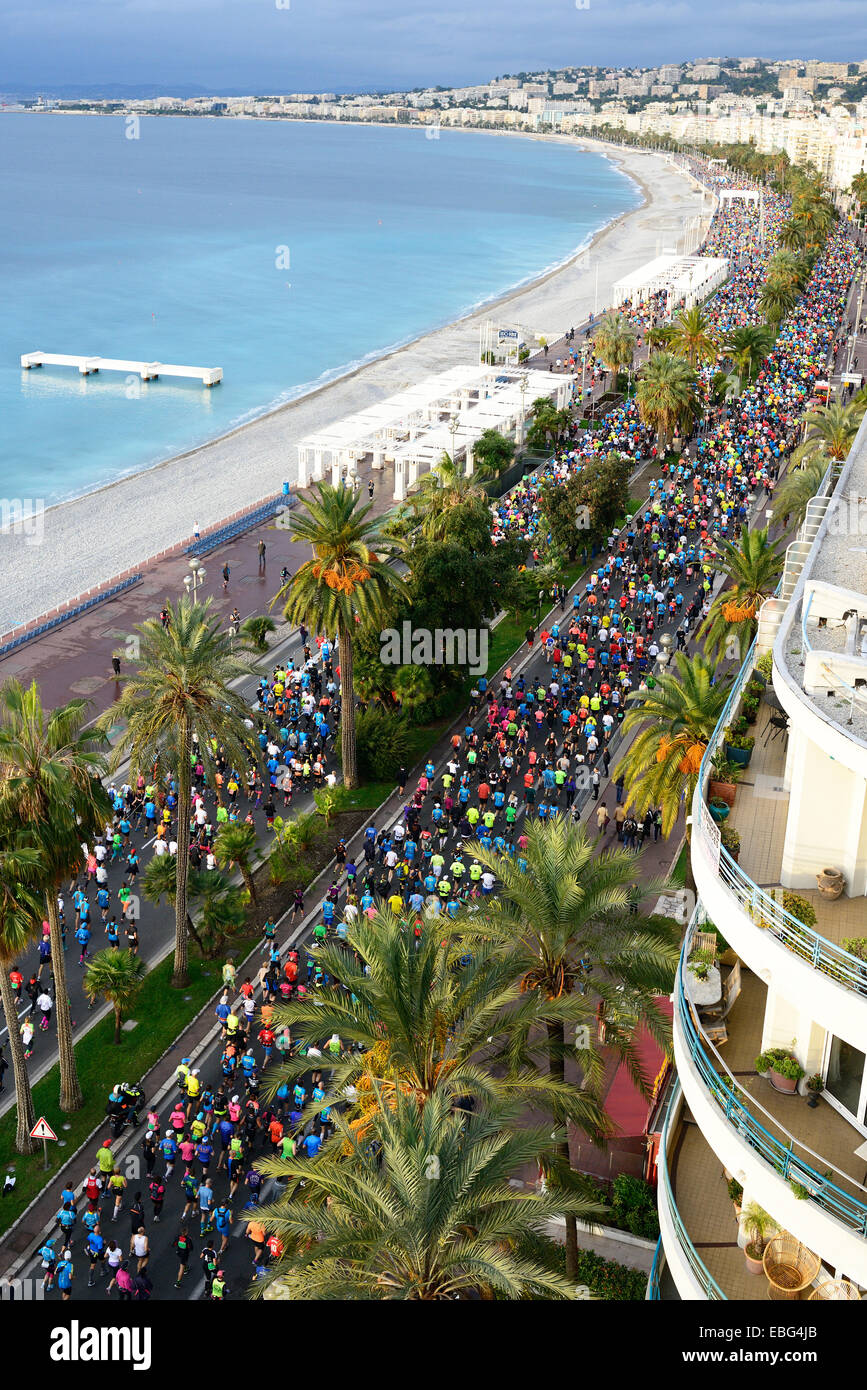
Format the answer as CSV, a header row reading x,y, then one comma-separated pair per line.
x,y
335,469
413,472
318,466
377,460
470,464
399,480
303,467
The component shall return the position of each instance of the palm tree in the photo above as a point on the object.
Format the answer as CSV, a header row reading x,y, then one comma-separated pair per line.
x,y
345,584
446,499
257,630
659,336
181,686
20,915
788,269
236,844
831,429
570,912
51,788
423,1018
221,905
117,977
858,187
829,433
776,302
614,341
694,338
752,568
674,720
748,347
426,1211
666,395
413,687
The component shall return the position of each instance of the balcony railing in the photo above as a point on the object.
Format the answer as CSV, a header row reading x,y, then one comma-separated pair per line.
x,y
653,1293
739,1107
710,1286
842,967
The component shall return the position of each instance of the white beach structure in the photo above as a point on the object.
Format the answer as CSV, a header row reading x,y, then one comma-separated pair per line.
x,y
412,429
687,278
148,371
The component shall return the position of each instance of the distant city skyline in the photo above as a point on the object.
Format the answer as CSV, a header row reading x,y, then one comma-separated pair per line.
x,y
343,45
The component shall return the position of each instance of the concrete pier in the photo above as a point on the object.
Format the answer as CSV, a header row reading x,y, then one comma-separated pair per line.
x,y
148,371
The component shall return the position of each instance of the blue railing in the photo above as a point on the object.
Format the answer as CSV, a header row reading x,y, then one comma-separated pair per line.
x,y
653,1293
824,955
84,607
737,1106
243,523
710,1286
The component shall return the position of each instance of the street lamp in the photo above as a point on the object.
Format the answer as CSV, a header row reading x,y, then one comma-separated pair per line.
x,y
196,578
666,642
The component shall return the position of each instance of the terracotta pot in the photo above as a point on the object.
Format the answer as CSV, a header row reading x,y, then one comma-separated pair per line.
x,y
782,1083
830,883
725,791
754,1265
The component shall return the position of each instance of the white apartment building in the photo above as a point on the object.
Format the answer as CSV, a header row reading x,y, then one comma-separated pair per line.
x,y
793,974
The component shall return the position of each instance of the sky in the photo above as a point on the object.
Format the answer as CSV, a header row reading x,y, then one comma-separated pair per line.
x,y
367,45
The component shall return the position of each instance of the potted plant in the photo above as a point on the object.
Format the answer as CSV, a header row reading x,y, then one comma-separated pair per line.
x,y
719,809
814,1084
724,953
699,963
736,1193
723,778
758,1227
739,744
731,841
782,1069
750,708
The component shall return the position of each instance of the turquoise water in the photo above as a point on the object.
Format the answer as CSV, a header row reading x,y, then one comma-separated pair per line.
x,y
284,253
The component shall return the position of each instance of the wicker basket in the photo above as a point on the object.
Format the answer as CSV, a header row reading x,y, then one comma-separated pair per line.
x,y
835,1291
789,1266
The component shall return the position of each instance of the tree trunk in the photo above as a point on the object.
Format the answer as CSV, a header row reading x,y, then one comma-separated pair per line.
x,y
557,1069
71,1097
180,976
116,1026
26,1115
347,711
248,882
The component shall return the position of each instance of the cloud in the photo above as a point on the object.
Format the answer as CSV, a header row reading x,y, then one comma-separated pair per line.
x,y
252,45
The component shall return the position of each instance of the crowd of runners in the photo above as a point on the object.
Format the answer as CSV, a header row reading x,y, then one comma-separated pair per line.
x,y
538,743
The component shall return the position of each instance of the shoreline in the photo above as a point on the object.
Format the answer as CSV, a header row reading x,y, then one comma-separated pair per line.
x,y
123,520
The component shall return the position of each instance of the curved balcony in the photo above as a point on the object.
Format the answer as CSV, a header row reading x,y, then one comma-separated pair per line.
x,y
691,1277
801,962
807,1193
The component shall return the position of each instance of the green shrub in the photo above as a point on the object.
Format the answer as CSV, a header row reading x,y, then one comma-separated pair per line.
x,y
764,665
609,1280
801,908
730,839
633,1205
782,1062
856,946
383,744
736,1192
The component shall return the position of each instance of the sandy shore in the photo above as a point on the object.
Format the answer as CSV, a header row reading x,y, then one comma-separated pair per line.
x,y
94,538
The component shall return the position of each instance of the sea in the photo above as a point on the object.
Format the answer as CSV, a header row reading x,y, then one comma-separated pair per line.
x,y
287,253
